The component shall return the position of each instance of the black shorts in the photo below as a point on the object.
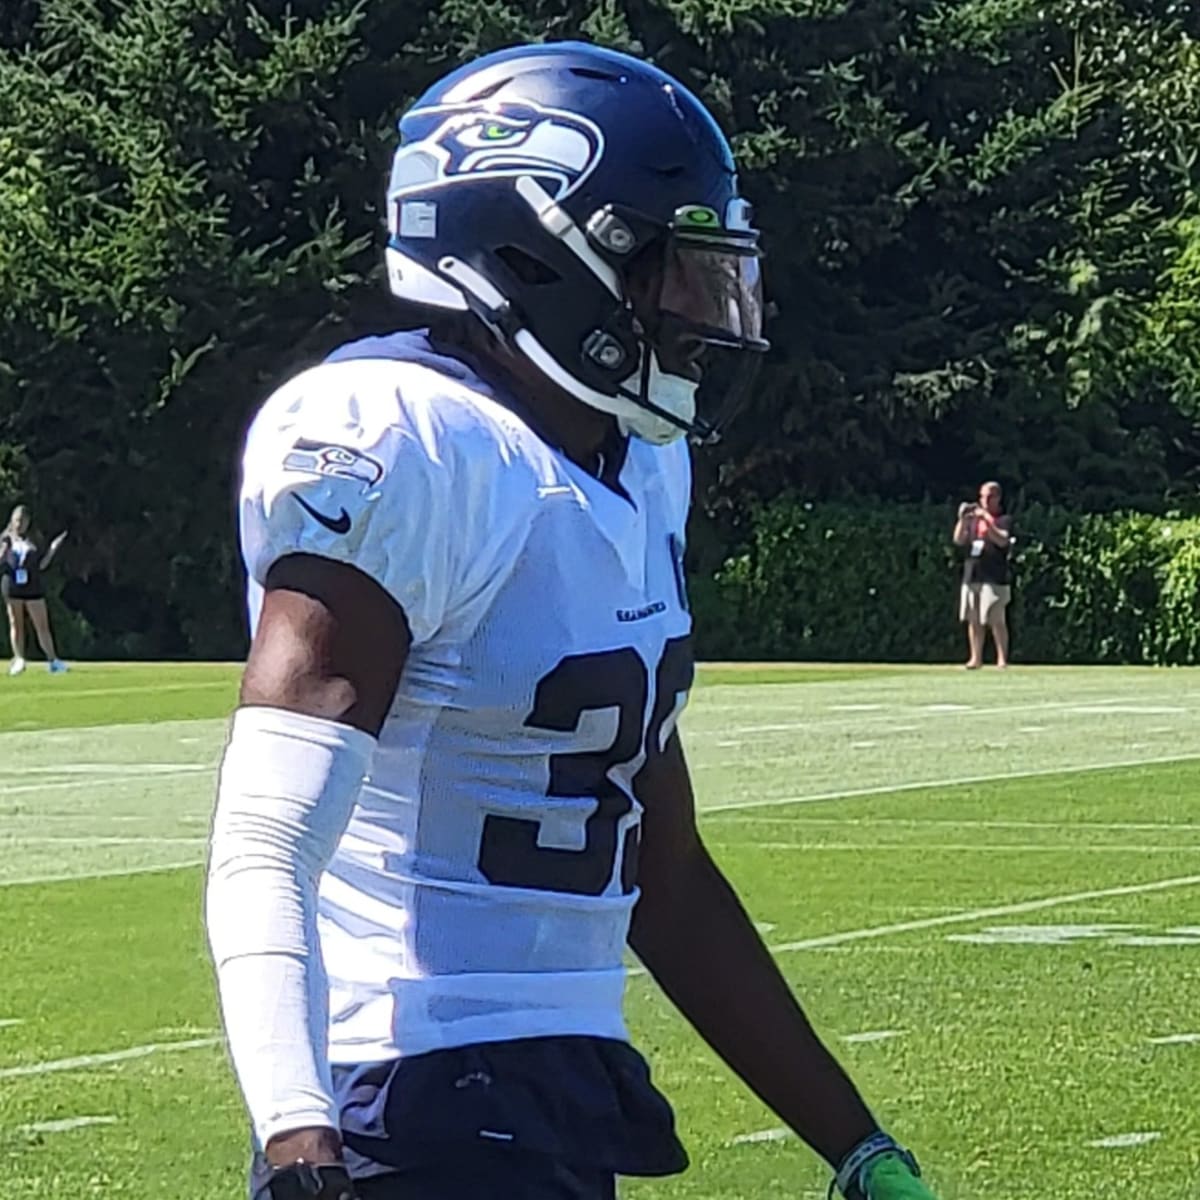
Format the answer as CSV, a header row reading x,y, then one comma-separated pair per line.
x,y
488,1173
14,591
554,1118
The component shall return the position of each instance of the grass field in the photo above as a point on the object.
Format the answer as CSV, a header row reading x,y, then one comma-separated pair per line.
x,y
985,887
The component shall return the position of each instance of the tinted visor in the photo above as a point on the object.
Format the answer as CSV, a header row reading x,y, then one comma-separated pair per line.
x,y
714,286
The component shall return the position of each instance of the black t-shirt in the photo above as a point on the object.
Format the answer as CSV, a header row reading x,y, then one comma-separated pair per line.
x,y
986,562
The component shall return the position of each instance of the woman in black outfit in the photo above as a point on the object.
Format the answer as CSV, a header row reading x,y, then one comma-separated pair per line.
x,y
21,565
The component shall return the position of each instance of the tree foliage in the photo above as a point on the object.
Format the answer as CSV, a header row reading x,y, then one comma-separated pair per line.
x,y
983,236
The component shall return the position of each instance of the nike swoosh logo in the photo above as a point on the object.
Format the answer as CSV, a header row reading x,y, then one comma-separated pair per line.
x,y
338,524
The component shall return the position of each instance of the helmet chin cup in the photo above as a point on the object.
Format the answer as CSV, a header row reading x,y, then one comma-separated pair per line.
x,y
661,411
665,407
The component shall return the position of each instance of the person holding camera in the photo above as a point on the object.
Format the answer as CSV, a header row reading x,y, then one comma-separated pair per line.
x,y
987,536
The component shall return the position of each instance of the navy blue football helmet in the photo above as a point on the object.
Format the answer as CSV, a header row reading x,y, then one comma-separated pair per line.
x,y
546,189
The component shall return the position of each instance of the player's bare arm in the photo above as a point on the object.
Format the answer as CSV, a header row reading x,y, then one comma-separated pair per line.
x,y
694,936
330,643
697,940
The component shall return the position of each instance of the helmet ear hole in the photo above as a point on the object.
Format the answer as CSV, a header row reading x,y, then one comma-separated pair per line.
x,y
526,267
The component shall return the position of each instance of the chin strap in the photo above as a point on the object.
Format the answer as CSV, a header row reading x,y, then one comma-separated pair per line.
x,y
851,1174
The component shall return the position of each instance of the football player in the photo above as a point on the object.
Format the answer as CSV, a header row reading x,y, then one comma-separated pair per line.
x,y
454,790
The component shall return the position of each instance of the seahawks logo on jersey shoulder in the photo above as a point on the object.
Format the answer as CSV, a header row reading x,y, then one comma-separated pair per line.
x,y
558,149
340,462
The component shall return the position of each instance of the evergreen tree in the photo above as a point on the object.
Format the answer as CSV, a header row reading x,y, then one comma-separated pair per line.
x,y
980,217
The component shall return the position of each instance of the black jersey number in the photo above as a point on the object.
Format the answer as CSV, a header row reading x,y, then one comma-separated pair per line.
x,y
509,854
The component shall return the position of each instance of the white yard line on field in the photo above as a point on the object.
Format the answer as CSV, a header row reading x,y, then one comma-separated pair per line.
x,y
910,711
956,781
65,1124
114,873
91,781
762,1135
135,689
83,1062
90,840
972,847
966,916
104,817
109,768
983,914
972,823
1092,710
872,1035
1122,1141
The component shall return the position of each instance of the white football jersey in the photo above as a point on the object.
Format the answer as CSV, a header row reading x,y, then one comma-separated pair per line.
x,y
484,887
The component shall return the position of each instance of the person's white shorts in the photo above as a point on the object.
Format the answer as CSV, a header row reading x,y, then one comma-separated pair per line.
x,y
983,603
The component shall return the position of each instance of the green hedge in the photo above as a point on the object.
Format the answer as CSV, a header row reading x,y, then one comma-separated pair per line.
x,y
844,582
853,583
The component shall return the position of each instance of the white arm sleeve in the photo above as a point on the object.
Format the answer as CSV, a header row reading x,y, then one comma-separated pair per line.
x,y
288,784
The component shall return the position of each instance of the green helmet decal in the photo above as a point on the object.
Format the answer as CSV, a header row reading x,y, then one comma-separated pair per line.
x,y
697,216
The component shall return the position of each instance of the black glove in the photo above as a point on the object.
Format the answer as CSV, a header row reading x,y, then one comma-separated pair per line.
x,y
304,1181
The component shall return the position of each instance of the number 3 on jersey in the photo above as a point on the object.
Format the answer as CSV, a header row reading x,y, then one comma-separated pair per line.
x,y
509,854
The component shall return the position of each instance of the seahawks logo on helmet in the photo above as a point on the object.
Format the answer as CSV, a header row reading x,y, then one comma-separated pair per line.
x,y
558,149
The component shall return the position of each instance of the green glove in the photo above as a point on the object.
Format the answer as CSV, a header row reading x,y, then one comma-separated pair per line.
x,y
879,1168
890,1177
